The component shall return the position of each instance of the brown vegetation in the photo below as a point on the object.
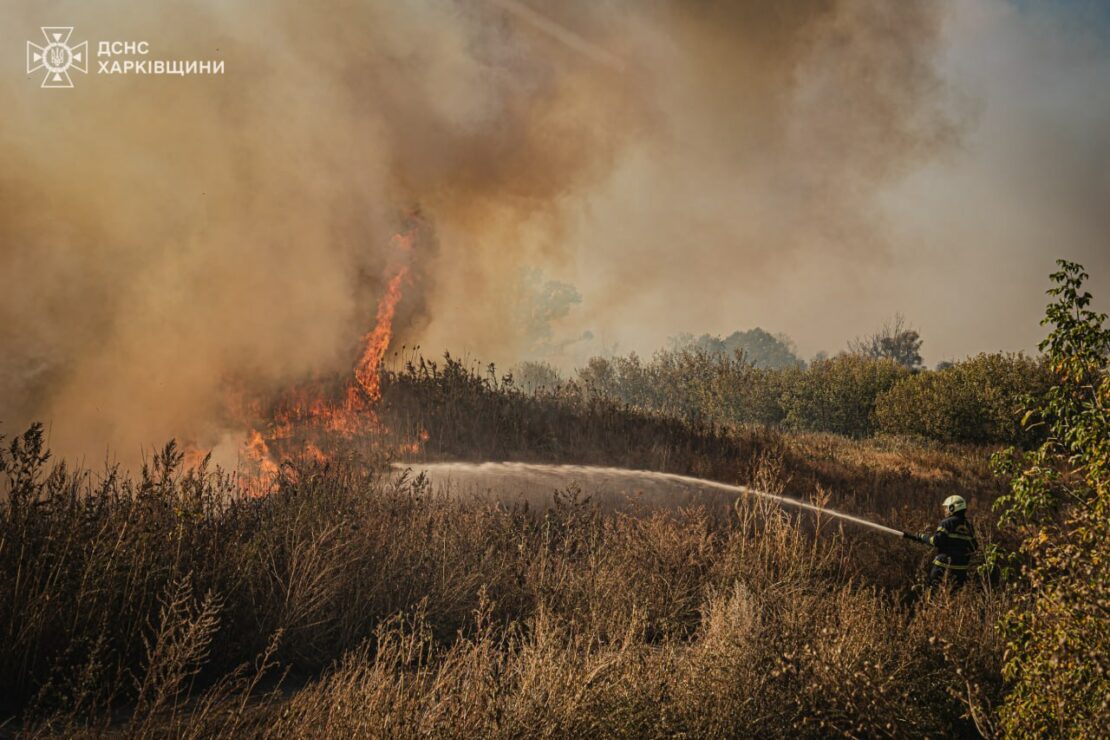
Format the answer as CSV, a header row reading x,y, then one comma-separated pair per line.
x,y
174,605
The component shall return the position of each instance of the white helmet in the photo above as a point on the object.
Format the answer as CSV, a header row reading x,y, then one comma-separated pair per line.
x,y
952,504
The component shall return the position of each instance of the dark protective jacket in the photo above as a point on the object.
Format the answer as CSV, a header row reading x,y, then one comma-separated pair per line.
x,y
955,541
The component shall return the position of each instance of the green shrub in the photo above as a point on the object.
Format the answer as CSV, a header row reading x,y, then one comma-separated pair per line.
x,y
838,394
978,400
692,384
1058,633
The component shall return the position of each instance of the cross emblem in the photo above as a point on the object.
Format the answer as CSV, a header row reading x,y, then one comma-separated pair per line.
x,y
57,57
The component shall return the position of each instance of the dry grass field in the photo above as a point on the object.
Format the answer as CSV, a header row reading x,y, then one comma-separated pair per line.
x,y
353,600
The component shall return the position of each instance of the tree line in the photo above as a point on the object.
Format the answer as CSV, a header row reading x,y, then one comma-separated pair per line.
x,y
976,400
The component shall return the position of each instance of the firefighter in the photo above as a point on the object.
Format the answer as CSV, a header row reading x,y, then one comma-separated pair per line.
x,y
954,540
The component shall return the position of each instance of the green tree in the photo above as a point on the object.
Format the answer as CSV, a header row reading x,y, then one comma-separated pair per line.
x,y
760,348
894,341
1058,634
979,400
839,394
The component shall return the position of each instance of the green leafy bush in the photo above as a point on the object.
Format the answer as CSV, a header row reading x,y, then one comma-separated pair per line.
x,y
838,394
1058,633
978,400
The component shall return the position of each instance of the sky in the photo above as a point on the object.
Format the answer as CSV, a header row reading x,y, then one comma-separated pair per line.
x,y
584,177
961,241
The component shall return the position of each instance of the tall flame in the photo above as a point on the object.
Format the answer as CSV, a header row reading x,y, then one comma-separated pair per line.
x,y
310,410
376,341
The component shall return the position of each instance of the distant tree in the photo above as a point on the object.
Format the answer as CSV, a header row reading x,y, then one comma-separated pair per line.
x,y
894,341
682,340
760,348
599,378
541,303
532,376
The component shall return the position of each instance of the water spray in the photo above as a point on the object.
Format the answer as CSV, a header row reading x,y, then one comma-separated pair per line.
x,y
494,469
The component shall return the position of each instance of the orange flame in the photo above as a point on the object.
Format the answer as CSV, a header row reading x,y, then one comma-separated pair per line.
x,y
310,409
376,341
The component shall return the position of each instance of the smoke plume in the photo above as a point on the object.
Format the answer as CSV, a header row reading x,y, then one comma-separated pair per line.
x,y
164,239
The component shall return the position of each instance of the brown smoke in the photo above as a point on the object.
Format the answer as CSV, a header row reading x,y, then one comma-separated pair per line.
x,y
162,238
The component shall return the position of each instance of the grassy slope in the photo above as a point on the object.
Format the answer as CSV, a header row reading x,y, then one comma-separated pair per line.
x,y
401,612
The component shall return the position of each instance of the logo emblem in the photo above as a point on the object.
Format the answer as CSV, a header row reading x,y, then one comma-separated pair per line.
x,y
57,57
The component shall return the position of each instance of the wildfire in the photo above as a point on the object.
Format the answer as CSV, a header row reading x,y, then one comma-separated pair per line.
x,y
300,419
377,340
256,449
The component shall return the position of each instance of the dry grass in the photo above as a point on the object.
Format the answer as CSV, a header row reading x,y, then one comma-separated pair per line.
x,y
474,414
352,603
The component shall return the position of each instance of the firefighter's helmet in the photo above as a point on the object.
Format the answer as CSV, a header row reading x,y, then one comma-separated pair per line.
x,y
952,504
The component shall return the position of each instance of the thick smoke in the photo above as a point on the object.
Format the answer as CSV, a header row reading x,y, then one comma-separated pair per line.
x,y
164,239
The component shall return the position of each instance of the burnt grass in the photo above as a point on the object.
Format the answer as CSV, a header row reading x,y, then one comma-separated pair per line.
x,y
168,603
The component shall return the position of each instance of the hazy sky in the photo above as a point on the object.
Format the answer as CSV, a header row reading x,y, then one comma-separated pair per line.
x,y
960,242
809,167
